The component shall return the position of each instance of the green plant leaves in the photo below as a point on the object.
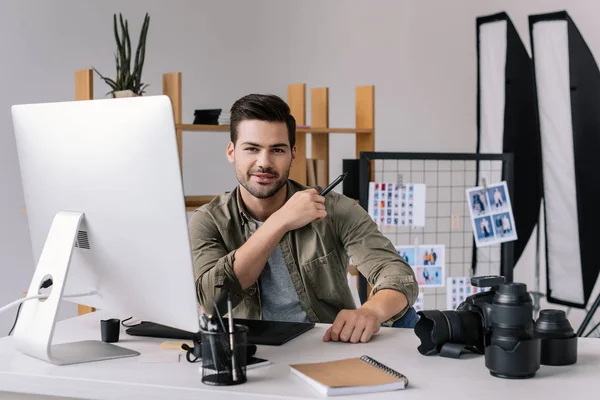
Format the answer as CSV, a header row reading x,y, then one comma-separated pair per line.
x,y
125,78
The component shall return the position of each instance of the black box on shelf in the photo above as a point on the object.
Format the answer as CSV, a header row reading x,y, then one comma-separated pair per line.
x,y
207,117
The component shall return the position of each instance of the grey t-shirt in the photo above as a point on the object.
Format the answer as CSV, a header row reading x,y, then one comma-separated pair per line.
x,y
278,296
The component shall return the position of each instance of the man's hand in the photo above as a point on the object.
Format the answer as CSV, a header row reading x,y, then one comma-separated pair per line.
x,y
353,326
301,209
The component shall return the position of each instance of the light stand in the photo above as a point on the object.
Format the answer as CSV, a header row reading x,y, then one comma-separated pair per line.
x,y
588,316
537,294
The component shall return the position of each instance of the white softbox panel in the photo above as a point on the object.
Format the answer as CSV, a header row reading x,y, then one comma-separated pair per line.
x,y
568,97
506,123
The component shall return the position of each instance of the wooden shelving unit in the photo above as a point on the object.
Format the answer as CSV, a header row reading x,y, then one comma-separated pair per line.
x,y
364,129
225,128
203,128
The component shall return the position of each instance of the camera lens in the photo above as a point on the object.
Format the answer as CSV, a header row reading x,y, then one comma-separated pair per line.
x,y
512,311
553,323
513,351
437,328
559,341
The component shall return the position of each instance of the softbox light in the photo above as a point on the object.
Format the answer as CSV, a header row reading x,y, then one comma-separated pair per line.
x,y
568,97
506,123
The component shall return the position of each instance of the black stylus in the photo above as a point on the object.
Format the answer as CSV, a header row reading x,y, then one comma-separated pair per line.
x,y
333,184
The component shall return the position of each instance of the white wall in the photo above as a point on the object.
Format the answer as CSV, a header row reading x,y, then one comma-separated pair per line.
x,y
420,55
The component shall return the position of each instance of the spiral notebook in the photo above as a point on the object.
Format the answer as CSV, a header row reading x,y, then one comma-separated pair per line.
x,y
350,376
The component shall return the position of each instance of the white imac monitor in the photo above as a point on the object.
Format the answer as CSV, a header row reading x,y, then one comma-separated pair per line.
x,y
106,211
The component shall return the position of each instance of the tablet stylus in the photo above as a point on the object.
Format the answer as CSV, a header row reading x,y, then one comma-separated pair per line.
x,y
333,184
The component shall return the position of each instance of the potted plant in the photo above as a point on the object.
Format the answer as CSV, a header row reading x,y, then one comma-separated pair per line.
x,y
127,83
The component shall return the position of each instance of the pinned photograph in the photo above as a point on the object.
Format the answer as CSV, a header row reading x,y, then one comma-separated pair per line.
x,y
491,214
401,199
484,232
430,265
503,225
458,288
433,255
498,199
478,201
430,276
408,253
427,261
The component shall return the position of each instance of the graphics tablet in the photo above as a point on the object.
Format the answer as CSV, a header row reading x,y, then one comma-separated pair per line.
x,y
272,333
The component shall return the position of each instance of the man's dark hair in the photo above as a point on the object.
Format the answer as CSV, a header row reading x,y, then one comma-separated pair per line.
x,y
263,107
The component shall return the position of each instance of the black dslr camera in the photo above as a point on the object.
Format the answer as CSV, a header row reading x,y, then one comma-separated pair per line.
x,y
499,324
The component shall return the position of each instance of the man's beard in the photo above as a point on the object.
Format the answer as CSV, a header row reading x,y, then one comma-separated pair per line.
x,y
263,191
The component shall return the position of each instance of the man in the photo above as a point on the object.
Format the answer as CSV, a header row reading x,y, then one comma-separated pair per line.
x,y
283,250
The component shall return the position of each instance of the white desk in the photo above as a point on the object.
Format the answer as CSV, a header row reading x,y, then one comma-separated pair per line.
x,y
433,378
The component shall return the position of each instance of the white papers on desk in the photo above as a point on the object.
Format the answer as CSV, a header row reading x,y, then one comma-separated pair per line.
x,y
161,357
394,204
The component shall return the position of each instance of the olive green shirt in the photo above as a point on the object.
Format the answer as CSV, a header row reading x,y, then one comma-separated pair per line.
x,y
316,255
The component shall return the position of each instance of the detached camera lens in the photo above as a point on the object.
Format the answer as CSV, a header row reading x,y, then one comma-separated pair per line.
x,y
559,341
553,323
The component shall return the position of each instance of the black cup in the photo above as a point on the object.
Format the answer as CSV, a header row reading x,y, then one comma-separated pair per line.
x,y
110,329
220,365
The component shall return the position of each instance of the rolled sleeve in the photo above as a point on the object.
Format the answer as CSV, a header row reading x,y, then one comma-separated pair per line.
x,y
213,264
406,285
374,254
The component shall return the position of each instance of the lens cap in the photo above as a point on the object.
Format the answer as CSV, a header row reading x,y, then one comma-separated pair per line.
x,y
559,341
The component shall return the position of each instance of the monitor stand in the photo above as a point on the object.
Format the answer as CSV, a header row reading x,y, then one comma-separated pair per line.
x,y
35,327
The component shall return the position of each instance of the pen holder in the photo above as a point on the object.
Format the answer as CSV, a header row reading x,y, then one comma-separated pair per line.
x,y
220,365
109,330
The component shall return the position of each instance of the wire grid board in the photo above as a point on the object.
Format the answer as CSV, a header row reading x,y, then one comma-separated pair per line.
x,y
447,218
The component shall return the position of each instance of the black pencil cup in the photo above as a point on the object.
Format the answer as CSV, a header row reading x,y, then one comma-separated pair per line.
x,y
109,330
220,365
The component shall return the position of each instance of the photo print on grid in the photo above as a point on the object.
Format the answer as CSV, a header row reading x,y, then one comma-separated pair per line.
x,y
458,288
431,256
393,204
497,198
496,224
503,226
427,261
408,253
484,230
430,276
478,201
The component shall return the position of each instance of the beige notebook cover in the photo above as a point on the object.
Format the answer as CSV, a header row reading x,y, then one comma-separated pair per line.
x,y
350,376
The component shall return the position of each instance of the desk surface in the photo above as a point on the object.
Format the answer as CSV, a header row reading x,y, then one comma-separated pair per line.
x,y
430,377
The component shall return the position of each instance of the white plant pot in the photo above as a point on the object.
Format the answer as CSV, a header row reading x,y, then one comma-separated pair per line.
x,y
124,93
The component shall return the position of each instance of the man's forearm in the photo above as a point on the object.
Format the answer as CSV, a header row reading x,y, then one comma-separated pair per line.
x,y
386,303
250,259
